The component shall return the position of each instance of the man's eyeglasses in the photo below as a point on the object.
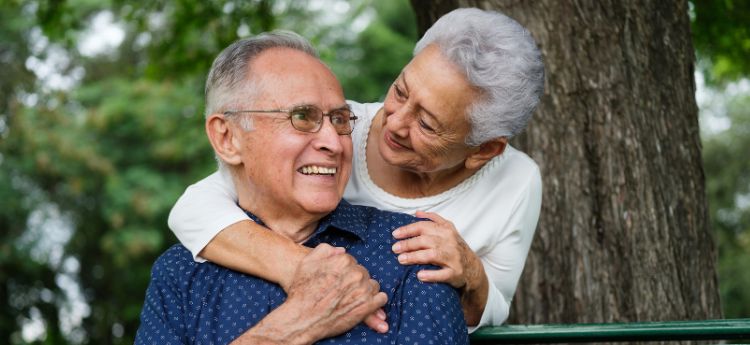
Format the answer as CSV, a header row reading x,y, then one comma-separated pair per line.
x,y
309,118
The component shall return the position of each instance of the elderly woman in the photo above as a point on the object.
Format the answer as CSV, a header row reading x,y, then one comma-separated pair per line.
x,y
438,148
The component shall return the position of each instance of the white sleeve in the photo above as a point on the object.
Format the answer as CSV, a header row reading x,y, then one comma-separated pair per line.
x,y
495,311
206,208
504,263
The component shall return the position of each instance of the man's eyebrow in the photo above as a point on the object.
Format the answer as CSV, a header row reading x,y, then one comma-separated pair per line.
x,y
342,107
310,104
429,113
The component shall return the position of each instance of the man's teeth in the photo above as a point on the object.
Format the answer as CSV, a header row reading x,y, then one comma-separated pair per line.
x,y
309,170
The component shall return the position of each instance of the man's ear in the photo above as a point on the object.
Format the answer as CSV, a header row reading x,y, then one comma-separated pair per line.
x,y
224,138
485,152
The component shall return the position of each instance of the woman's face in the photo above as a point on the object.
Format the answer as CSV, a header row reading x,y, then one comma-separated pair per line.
x,y
425,121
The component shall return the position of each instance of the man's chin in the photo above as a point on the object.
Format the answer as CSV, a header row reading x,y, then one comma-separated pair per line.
x,y
321,202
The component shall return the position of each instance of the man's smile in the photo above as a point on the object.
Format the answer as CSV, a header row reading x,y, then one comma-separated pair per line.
x,y
317,170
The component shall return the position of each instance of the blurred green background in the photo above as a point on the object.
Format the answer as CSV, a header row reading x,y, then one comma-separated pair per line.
x,y
101,129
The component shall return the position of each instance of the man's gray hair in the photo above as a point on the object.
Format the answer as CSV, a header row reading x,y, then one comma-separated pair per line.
x,y
498,56
230,83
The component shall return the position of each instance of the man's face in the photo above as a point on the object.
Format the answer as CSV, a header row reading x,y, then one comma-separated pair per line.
x,y
289,171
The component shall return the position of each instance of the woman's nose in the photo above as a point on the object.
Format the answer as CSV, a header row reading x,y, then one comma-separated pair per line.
x,y
399,120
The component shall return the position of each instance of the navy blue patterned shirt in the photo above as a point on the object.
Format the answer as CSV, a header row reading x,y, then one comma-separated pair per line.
x,y
203,303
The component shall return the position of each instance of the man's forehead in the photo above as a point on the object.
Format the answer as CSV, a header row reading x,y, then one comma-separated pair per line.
x,y
287,77
282,60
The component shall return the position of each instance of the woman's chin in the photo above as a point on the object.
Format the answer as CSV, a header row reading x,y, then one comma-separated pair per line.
x,y
390,156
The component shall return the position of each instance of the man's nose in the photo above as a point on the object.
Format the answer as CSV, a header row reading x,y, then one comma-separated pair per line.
x,y
327,139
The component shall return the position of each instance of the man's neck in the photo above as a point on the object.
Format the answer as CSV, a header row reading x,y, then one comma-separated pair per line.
x,y
297,227
295,224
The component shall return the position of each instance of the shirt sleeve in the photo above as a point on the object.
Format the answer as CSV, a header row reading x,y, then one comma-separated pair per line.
x,y
206,208
161,317
504,262
430,313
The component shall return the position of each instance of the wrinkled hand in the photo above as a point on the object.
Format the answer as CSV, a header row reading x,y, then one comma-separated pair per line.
x,y
341,289
329,295
438,243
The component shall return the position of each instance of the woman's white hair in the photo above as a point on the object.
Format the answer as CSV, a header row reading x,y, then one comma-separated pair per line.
x,y
500,58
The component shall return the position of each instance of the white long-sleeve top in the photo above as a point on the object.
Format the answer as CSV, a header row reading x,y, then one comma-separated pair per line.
x,y
495,210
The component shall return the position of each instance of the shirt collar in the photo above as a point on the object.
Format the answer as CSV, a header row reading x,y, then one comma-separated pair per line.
x,y
346,217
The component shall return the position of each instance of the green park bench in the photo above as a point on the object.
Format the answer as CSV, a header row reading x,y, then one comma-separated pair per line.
x,y
614,332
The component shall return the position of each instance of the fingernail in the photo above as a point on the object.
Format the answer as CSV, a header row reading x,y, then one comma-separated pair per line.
x,y
381,314
396,247
383,328
402,258
395,233
420,275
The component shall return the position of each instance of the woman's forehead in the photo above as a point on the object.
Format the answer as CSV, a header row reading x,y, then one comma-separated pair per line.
x,y
436,85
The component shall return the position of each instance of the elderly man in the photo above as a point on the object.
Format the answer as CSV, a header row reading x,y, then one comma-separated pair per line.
x,y
278,122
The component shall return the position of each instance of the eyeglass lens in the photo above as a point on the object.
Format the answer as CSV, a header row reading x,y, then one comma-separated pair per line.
x,y
310,119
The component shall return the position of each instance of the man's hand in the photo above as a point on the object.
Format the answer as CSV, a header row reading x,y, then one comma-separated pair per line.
x,y
329,295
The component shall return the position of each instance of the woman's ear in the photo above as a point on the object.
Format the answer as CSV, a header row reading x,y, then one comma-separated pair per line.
x,y
225,138
485,152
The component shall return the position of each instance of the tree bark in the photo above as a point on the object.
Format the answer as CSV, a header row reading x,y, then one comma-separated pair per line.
x,y
624,232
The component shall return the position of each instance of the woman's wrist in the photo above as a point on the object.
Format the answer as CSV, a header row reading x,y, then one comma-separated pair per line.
x,y
252,249
474,276
297,254
475,292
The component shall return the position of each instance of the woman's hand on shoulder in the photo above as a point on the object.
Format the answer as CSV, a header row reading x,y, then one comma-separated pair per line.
x,y
437,242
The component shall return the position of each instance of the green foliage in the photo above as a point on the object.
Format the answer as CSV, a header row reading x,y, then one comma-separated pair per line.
x,y
721,35
14,77
184,35
369,66
728,188
23,281
116,165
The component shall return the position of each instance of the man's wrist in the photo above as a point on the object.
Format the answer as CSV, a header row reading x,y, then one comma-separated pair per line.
x,y
272,336
254,339
279,327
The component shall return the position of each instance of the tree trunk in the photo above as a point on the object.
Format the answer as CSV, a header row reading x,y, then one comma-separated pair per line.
x,y
624,232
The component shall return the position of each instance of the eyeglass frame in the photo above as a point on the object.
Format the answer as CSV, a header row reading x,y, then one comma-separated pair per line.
x,y
352,118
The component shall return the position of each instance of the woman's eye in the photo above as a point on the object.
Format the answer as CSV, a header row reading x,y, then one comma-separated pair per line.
x,y
399,93
425,126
